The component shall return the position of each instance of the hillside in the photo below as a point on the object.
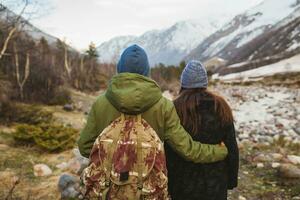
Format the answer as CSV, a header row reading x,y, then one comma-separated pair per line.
x,y
268,29
290,65
8,16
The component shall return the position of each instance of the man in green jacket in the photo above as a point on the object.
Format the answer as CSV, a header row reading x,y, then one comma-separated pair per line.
x,y
132,92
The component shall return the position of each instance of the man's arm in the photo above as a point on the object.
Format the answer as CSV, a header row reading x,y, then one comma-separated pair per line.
x,y
88,135
182,143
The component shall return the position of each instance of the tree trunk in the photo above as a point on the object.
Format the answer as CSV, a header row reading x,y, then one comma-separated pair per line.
x,y
26,71
10,34
67,66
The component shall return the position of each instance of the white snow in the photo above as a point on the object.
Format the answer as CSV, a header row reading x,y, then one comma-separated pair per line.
x,y
110,50
220,44
272,11
237,65
168,45
294,46
264,15
285,66
245,112
250,36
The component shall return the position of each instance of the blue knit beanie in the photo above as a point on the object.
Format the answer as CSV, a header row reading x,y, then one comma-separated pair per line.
x,y
194,75
134,60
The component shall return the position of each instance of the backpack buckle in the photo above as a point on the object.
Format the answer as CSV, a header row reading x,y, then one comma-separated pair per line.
x,y
107,183
140,186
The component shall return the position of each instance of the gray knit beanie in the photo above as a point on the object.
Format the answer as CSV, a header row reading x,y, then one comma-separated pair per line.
x,y
194,75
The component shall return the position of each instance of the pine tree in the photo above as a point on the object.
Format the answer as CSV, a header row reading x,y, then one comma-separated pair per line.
x,y
92,51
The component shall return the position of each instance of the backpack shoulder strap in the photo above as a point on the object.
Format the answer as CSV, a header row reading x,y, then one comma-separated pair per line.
x,y
108,164
139,157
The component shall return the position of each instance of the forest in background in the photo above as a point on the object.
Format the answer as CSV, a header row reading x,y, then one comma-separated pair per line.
x,y
38,71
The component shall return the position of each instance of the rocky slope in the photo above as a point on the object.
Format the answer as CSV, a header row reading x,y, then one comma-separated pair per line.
x,y
167,46
268,29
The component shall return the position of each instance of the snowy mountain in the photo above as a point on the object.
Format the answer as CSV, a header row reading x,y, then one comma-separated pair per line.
x,y
109,51
268,29
167,46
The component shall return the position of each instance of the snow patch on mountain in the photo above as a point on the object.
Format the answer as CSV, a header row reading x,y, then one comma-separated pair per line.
x,y
268,13
236,40
285,66
107,49
167,46
250,36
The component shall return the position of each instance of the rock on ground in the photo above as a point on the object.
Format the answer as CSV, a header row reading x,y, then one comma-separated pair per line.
x,y
294,159
68,185
78,163
289,171
42,170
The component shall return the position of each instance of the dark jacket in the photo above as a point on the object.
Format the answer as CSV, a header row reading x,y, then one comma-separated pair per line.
x,y
189,181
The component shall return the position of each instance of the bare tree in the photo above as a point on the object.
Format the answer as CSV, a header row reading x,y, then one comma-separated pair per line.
x,y
67,60
81,64
12,27
26,71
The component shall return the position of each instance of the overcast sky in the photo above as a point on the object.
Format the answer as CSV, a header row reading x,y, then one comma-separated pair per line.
x,y
83,21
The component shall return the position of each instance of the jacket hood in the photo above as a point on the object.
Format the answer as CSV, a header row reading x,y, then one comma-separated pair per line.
x,y
132,93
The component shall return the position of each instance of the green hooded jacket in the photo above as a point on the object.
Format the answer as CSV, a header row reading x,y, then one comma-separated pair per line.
x,y
136,94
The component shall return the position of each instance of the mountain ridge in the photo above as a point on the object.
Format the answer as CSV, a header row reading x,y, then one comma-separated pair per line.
x,y
246,36
168,45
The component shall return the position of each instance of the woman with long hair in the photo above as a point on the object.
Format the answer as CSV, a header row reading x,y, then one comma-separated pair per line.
x,y
208,118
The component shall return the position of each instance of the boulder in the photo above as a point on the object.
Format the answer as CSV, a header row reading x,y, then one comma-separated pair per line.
x,y
78,163
289,171
68,186
262,158
66,180
297,130
294,159
260,165
292,133
42,170
62,166
275,165
276,157
242,198
287,139
68,107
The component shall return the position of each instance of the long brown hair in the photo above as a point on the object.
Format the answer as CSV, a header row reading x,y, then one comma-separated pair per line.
x,y
190,99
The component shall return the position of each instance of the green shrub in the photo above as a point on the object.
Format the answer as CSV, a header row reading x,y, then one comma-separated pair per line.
x,y
51,137
36,126
56,137
27,114
62,96
24,133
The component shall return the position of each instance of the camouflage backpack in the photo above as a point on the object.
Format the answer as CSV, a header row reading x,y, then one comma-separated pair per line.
x,y
127,162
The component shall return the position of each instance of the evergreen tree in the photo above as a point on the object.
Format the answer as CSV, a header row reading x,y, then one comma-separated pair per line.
x,y
92,51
